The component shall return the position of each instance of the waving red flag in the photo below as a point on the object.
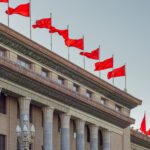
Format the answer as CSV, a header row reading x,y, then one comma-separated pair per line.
x,y
4,1
23,10
63,33
78,43
148,132
43,23
106,64
117,72
93,55
143,124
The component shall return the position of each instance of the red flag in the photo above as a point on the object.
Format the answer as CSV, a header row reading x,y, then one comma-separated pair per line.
x,y
117,72
143,124
78,43
43,23
23,10
106,64
4,1
63,33
93,55
148,132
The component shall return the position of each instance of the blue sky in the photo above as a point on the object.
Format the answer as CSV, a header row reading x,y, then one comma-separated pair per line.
x,y
122,28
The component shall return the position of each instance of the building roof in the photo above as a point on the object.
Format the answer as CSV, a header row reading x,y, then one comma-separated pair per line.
x,y
31,49
140,138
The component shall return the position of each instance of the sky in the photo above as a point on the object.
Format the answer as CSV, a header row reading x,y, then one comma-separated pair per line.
x,y
121,28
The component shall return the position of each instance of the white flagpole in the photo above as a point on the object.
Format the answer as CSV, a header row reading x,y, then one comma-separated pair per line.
x,y
30,21
99,63
84,55
125,79
8,13
113,81
51,33
68,44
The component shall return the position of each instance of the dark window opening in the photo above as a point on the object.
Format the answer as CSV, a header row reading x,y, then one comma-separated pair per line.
x,y
18,111
2,103
2,142
74,129
100,137
31,109
88,133
59,124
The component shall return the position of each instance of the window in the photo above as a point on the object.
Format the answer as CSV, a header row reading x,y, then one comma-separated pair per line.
x,y
100,138
2,103
75,88
24,63
74,129
102,101
44,73
60,80
31,108
18,111
88,94
118,108
2,52
88,133
59,124
2,142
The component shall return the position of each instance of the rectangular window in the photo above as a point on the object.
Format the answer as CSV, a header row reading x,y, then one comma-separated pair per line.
x,y
89,94
102,101
118,108
75,88
18,111
2,52
60,80
2,103
31,109
24,63
44,73
2,142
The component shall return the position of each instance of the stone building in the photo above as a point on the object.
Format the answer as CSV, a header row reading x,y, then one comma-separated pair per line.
x,y
70,108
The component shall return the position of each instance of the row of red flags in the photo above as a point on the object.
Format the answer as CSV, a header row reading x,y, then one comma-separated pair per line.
x,y
143,126
24,10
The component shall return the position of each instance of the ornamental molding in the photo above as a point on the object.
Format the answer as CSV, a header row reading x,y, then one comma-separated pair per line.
x,y
9,39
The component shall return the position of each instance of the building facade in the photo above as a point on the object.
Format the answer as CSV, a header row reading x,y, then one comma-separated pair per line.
x,y
70,108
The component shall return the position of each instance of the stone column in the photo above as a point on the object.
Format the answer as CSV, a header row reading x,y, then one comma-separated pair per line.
x,y
65,131
24,104
93,137
80,145
48,128
106,139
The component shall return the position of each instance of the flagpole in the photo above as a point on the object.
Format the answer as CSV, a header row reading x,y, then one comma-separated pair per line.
x,y
84,55
30,21
113,81
8,13
99,63
68,43
125,79
51,33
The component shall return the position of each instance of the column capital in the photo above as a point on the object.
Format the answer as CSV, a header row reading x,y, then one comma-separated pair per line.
x,y
106,135
24,104
80,126
48,113
94,131
65,120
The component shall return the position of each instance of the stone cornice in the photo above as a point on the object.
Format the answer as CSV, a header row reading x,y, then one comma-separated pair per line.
x,y
19,43
28,79
140,138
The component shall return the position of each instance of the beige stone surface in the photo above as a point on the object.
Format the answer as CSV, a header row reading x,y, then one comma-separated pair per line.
x,y
12,56
36,68
116,141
